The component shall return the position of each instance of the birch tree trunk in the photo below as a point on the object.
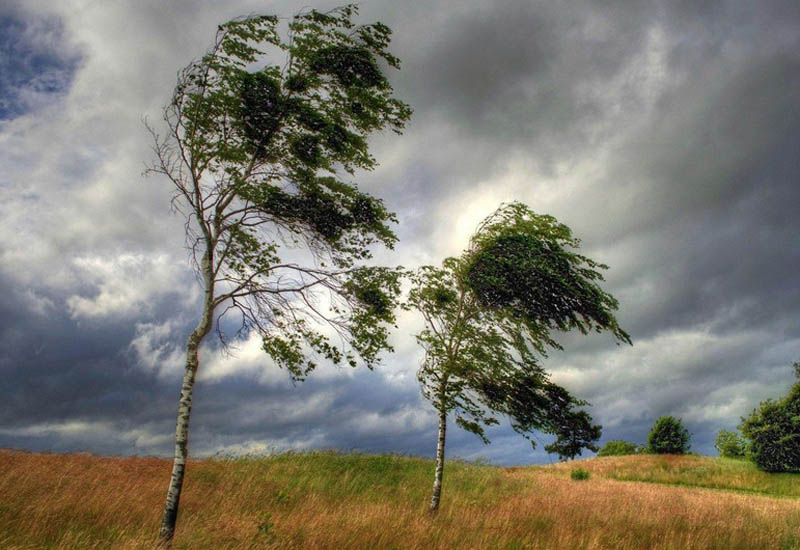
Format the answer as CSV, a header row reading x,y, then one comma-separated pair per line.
x,y
170,515
437,477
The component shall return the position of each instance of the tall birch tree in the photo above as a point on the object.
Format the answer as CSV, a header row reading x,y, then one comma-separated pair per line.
x,y
489,317
259,154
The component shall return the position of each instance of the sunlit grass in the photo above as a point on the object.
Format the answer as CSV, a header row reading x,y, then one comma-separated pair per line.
x,y
693,471
330,500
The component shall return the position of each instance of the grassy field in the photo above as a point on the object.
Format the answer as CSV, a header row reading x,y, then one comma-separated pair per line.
x,y
330,500
691,471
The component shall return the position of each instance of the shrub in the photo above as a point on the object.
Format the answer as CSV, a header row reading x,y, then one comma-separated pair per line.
x,y
774,432
668,436
618,448
579,474
730,444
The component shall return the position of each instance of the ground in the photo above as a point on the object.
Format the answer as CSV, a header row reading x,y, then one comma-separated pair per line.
x,y
351,501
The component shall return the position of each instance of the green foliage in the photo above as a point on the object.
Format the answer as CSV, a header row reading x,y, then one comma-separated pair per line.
x,y
484,335
730,444
282,497
263,133
618,448
523,263
579,474
774,431
266,528
668,436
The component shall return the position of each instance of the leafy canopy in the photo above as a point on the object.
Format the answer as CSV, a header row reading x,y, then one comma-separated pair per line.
x,y
259,153
730,444
668,436
618,447
488,318
774,431
523,265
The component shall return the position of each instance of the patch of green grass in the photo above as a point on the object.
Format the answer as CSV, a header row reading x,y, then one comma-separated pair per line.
x,y
579,474
790,542
710,472
340,476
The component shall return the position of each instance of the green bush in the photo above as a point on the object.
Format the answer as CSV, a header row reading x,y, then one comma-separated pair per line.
x,y
730,444
774,432
579,474
618,448
668,436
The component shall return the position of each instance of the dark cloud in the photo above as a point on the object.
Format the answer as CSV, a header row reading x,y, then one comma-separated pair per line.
x,y
35,63
666,134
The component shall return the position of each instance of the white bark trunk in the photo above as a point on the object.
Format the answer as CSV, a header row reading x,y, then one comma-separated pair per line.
x,y
437,476
170,514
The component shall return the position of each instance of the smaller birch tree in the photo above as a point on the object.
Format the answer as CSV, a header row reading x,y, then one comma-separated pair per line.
x,y
488,318
258,154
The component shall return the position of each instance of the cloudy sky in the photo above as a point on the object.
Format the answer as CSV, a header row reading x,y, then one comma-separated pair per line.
x,y
665,134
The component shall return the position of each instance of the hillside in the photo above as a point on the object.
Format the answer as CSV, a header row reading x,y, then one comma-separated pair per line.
x,y
330,500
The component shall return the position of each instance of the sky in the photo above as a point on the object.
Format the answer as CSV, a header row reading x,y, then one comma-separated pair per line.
x,y
665,134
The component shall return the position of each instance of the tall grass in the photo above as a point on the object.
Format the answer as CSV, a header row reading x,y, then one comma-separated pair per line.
x,y
329,500
694,471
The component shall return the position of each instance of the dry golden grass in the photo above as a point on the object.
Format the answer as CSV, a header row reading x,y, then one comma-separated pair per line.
x,y
328,500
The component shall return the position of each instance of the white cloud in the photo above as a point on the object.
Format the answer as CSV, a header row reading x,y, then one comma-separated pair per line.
x,y
126,284
726,405
156,350
244,358
90,431
267,446
694,373
410,418
38,304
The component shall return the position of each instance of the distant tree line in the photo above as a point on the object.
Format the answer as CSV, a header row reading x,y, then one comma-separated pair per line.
x,y
769,435
667,436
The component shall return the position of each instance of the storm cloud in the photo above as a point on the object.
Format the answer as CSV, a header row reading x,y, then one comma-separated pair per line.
x,y
665,134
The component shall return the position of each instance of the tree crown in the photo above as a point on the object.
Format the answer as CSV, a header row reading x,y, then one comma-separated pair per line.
x,y
774,431
259,152
668,436
618,448
730,444
488,319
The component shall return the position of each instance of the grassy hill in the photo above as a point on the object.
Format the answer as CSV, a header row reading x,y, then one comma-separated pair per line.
x,y
330,500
